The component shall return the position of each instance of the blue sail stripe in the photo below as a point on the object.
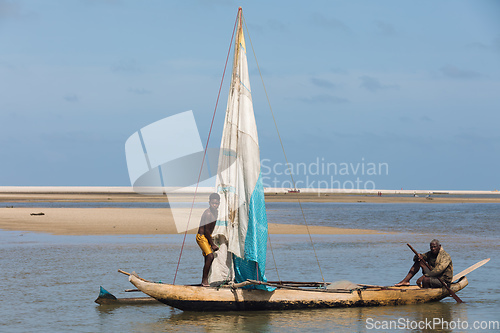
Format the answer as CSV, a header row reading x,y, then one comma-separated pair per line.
x,y
224,189
220,223
253,266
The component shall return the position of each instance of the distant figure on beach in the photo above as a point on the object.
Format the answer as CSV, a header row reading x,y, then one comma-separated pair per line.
x,y
204,235
440,263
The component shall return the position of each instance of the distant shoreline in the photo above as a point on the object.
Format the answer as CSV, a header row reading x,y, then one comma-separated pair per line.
x,y
126,194
130,190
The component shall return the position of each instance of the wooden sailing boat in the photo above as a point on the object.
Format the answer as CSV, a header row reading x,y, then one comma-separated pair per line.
x,y
241,232
235,298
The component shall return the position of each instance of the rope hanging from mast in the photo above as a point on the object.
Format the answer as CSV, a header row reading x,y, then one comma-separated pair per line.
x,y
284,153
206,147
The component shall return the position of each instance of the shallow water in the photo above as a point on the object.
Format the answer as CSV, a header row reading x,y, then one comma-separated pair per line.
x,y
50,282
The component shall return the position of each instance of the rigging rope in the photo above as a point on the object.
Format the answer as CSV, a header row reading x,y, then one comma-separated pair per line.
x,y
205,152
272,253
284,153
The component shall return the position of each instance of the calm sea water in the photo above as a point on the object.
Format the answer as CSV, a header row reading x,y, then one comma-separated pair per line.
x,y
50,282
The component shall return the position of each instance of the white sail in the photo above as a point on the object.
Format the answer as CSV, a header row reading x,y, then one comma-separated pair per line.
x,y
241,228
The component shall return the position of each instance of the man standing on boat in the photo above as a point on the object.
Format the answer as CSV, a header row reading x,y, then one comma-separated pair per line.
x,y
204,235
441,267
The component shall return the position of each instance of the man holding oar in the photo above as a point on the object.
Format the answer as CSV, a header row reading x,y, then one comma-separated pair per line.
x,y
441,267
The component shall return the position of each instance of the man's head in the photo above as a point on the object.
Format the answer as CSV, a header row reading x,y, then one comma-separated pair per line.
x,y
214,201
435,246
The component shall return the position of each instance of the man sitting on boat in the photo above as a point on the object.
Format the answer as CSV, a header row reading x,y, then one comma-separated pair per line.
x,y
204,236
441,267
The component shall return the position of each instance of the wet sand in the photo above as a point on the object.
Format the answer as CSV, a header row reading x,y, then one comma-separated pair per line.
x,y
123,221
150,221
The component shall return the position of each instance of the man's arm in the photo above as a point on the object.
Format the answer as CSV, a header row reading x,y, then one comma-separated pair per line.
x,y
442,261
420,257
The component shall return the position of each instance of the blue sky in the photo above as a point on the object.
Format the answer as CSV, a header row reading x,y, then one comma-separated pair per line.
x,y
414,85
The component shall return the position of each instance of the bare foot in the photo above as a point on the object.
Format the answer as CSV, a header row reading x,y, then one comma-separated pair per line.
x,y
402,283
205,285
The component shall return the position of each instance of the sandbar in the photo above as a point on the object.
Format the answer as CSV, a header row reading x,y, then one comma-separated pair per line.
x,y
125,221
154,221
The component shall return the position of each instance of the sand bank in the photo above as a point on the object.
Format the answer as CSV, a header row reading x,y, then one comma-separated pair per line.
x,y
123,221
147,221
90,196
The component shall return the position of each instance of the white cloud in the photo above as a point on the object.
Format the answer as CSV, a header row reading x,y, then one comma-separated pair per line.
x,y
140,91
493,46
373,84
329,22
384,28
72,98
325,98
323,83
126,66
457,73
9,9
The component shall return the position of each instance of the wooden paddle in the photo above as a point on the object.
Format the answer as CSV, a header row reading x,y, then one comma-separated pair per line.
x,y
452,293
470,269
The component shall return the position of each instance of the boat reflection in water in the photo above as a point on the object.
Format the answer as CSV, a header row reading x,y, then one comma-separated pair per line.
x,y
419,317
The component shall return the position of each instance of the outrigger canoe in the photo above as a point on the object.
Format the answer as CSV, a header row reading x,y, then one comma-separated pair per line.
x,y
284,297
241,231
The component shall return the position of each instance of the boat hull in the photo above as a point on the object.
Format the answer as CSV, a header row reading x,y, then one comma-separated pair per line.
x,y
194,298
